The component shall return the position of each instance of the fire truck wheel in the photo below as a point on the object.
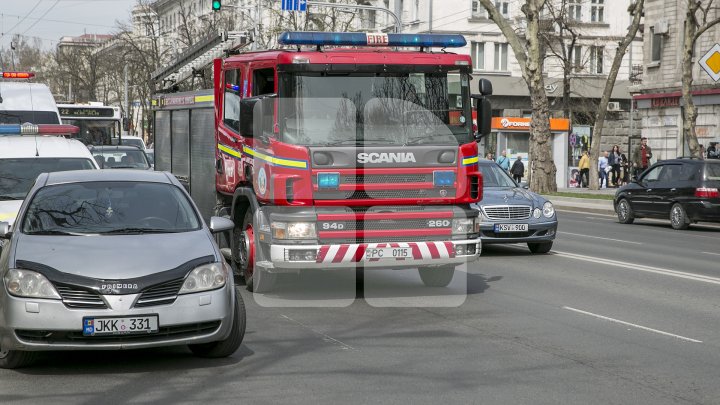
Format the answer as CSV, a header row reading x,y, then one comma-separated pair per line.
x,y
437,276
262,281
244,248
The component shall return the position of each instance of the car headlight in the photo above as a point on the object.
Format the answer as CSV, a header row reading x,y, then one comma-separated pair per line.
x,y
537,213
548,209
465,225
204,278
293,230
29,284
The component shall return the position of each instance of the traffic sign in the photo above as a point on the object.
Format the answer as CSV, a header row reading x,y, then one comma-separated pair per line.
x,y
294,5
711,62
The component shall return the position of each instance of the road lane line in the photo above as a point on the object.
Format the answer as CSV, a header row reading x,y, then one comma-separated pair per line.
x,y
641,267
711,253
599,237
687,339
585,213
325,337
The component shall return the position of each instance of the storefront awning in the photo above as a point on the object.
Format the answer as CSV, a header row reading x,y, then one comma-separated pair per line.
x,y
520,124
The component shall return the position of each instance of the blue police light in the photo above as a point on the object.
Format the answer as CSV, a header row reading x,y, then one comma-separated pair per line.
x,y
10,129
328,180
443,178
372,39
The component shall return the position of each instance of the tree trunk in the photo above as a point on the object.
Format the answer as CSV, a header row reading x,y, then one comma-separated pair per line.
x,y
542,166
636,11
689,111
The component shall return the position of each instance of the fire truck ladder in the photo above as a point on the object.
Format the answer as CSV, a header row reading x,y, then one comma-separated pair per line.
x,y
198,57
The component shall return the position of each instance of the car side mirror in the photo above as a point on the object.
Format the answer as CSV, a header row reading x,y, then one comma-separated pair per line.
x,y
483,110
485,87
5,230
220,224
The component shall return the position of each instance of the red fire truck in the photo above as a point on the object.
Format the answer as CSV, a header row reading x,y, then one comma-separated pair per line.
x,y
342,150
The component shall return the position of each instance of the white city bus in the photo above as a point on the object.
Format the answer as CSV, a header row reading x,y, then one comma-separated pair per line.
x,y
99,124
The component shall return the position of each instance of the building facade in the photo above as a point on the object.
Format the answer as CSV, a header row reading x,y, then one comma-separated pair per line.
x,y
658,98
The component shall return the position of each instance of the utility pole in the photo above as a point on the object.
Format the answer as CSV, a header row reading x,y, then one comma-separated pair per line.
x,y
398,14
126,102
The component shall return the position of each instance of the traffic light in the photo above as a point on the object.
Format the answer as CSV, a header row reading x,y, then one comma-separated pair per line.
x,y
216,4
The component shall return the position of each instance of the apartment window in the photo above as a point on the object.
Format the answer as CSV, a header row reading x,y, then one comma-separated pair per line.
x,y
656,45
478,11
596,59
574,10
502,7
575,58
597,11
414,12
501,57
372,19
478,55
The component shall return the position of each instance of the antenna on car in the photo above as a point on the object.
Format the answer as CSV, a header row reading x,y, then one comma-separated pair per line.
x,y
37,152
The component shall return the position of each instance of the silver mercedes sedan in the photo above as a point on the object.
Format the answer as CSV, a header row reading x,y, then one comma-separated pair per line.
x,y
114,259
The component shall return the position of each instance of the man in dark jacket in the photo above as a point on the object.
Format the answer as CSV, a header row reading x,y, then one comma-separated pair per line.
x,y
518,169
641,157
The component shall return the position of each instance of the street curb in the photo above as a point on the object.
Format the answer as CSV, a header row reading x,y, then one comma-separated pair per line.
x,y
585,205
586,210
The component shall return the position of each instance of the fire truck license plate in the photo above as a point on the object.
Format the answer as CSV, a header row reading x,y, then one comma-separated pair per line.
x,y
511,227
388,253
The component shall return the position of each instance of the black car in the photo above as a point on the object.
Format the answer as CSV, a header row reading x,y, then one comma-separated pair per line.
x,y
121,157
683,190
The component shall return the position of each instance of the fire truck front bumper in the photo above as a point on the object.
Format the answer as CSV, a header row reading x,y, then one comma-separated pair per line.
x,y
291,258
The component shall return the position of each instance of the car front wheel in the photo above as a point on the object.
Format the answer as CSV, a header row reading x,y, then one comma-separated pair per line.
x,y
540,247
15,358
625,212
229,345
678,217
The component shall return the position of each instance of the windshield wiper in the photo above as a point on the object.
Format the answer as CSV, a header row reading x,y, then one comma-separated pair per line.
x,y
359,142
127,167
132,230
53,232
9,197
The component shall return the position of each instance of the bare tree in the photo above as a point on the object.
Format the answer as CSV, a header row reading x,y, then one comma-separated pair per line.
x,y
636,11
696,24
530,54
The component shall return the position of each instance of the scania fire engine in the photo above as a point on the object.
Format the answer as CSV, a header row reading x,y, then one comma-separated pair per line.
x,y
336,151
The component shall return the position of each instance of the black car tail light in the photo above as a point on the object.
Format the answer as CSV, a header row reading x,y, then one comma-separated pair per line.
x,y
706,192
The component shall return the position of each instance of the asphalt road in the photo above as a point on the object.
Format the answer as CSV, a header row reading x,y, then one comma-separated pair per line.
x,y
616,314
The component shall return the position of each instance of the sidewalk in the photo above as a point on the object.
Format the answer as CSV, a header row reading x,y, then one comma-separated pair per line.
x,y
589,205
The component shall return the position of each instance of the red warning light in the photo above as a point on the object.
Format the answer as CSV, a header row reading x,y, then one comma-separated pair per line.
x,y
18,75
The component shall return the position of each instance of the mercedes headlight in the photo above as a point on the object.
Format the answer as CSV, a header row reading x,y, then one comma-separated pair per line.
x,y
29,284
537,213
204,278
465,225
293,230
548,209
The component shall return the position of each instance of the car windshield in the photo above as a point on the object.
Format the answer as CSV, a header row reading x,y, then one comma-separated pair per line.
x,y
109,208
494,176
375,108
120,159
130,141
17,175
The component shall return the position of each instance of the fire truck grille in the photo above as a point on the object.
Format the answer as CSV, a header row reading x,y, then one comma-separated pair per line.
x,y
384,224
384,194
387,178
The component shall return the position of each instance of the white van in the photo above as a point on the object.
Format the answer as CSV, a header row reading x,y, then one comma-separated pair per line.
x,y
22,102
23,158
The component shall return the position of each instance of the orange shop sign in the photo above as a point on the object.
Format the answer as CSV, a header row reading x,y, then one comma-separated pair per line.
x,y
523,124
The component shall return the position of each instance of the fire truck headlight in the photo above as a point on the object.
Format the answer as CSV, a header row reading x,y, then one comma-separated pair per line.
x,y
465,225
328,180
443,178
293,230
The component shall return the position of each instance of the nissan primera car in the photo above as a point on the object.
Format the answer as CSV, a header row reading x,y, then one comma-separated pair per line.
x,y
114,259
512,214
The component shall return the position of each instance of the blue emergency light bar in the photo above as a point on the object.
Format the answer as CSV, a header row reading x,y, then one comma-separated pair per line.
x,y
41,129
372,39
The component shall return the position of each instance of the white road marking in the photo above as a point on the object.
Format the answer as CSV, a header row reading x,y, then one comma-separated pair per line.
x,y
640,267
585,213
598,237
711,253
687,339
325,337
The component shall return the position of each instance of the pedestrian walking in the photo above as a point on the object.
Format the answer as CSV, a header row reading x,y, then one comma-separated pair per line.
x,y
603,168
712,151
641,157
615,160
518,169
584,167
625,169
504,161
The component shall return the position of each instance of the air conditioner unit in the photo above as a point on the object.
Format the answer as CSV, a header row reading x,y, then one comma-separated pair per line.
x,y
661,27
613,106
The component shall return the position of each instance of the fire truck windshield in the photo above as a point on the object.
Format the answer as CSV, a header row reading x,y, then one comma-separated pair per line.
x,y
374,108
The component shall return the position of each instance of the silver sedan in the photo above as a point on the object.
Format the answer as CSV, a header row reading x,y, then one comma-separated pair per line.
x,y
103,260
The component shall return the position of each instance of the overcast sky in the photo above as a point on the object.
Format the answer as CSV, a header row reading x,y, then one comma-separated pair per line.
x,y
49,20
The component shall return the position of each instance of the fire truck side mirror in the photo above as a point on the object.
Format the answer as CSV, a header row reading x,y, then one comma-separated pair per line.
x,y
485,87
247,107
484,116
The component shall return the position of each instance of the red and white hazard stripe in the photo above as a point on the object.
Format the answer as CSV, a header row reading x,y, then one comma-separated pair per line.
x,y
353,253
